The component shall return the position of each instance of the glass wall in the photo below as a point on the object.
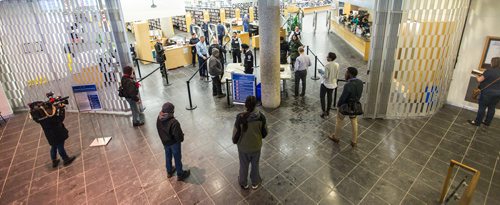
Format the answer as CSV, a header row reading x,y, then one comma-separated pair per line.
x,y
50,45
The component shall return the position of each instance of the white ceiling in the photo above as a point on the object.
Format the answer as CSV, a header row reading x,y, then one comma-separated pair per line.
x,y
138,10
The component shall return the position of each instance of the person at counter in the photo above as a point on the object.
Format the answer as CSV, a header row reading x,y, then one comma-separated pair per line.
x,y
160,56
248,64
236,48
284,50
294,49
215,70
246,22
296,32
192,42
204,28
221,32
202,51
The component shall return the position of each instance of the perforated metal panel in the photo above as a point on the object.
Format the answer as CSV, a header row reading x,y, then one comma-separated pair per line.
x,y
428,38
49,45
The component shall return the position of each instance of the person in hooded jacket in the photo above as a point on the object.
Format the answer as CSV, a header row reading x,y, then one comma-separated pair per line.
x,y
249,130
55,132
215,70
171,135
131,92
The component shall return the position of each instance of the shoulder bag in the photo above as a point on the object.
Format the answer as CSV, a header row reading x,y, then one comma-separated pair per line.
x,y
351,108
477,91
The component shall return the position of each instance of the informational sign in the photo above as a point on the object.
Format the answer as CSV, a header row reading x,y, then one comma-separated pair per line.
x,y
243,86
87,97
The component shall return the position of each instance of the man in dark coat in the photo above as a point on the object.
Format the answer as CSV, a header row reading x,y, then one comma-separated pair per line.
x,y
171,135
55,132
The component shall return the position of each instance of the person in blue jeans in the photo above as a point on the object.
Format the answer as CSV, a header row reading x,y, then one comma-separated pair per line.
x,y
489,83
131,94
171,135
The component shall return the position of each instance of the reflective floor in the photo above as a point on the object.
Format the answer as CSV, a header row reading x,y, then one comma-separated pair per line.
x,y
396,161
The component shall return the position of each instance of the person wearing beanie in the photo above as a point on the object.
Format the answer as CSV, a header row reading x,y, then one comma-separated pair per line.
x,y
215,70
171,135
131,94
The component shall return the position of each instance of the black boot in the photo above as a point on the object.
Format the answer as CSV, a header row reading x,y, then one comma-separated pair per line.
x,y
55,163
185,174
69,160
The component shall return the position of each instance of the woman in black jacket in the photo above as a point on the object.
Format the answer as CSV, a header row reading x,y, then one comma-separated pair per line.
x,y
489,83
55,132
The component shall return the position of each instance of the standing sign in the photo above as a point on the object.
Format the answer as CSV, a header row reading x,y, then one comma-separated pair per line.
x,y
87,97
243,86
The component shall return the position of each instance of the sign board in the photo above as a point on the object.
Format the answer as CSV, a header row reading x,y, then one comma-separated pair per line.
x,y
87,97
243,86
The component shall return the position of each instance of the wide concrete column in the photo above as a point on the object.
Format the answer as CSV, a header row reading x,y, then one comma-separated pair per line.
x,y
269,23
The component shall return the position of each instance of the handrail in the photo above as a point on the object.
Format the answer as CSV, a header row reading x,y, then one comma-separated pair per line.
x,y
147,61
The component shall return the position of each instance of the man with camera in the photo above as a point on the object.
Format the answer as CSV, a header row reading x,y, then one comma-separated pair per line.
x,y
50,115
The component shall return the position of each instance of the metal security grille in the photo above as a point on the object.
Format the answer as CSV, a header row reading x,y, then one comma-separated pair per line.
x,y
428,38
49,45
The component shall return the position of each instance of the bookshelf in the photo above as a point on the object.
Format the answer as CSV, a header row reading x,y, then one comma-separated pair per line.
x,y
215,16
154,24
179,23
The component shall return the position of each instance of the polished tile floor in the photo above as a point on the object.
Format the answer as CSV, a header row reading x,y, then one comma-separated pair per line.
x,y
397,161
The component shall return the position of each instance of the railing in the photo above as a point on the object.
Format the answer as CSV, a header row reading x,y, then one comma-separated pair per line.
x,y
316,60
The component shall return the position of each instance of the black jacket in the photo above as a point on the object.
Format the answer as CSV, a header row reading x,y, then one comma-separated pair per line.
x,y
169,130
248,62
54,129
129,88
352,91
193,41
221,49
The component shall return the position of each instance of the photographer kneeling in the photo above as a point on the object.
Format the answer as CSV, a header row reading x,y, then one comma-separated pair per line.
x,y
51,119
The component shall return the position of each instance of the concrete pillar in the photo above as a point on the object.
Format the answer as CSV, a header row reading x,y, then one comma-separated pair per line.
x,y
167,27
5,107
269,52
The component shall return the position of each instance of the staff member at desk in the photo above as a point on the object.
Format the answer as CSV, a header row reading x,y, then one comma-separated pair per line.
x,y
236,48
202,51
192,42
248,63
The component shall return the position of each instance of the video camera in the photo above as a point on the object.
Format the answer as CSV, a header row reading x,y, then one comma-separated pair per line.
x,y
41,110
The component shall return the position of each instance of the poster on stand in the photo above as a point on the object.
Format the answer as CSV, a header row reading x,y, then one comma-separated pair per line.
x,y
243,86
87,97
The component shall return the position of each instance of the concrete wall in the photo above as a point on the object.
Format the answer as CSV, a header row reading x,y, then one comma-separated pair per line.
x,y
482,22
4,103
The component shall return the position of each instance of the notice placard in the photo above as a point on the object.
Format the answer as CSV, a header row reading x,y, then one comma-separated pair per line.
x,y
243,86
87,97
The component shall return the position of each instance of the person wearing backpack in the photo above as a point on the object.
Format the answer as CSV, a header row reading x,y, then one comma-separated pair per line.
x,y
351,93
249,129
171,135
130,91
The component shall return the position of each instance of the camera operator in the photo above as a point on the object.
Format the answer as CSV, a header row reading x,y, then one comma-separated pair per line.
x,y
51,116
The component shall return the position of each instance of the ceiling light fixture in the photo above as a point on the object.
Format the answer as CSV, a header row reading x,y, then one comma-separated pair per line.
x,y
153,5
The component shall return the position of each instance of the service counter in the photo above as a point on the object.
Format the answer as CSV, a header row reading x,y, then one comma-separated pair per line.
x,y
360,44
178,56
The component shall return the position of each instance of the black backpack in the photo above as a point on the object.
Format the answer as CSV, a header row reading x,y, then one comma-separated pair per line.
x,y
121,91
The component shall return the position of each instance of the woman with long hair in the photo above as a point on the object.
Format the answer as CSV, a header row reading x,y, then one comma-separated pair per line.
x,y
489,83
249,130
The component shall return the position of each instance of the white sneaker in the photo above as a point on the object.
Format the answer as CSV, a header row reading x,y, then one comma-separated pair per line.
x,y
254,187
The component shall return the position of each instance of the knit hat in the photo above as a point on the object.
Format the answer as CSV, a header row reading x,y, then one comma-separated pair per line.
x,y
167,108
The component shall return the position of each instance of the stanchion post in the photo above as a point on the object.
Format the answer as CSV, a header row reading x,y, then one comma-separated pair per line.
x,y
315,77
228,93
255,57
138,67
189,95
307,50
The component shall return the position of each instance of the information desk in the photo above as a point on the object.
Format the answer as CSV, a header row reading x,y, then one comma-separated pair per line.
x,y
286,74
360,44
178,56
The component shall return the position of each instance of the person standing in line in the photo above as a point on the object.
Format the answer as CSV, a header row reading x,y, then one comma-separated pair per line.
x,y
55,131
328,83
352,92
284,49
192,42
294,50
296,32
301,64
236,48
248,61
221,32
489,83
249,129
202,51
204,28
171,135
131,92
215,70
246,22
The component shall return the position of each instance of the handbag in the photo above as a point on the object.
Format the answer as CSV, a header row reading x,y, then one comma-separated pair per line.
x,y
476,92
353,107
